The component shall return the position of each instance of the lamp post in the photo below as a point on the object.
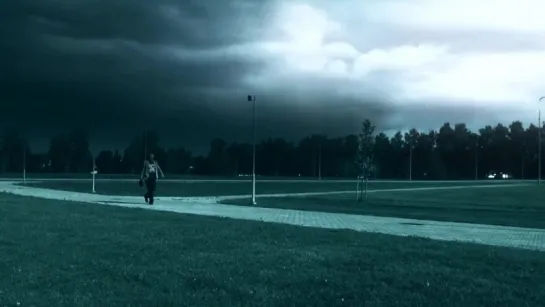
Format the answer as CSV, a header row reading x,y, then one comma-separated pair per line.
x,y
522,166
477,159
93,154
145,145
253,99
320,159
24,162
411,148
411,163
540,128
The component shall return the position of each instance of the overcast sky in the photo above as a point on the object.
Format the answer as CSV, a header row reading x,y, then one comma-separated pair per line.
x,y
186,66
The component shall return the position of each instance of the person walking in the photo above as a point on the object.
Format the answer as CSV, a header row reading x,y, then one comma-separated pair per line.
x,y
148,177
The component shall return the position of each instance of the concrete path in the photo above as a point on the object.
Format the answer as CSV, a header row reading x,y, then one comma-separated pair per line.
x,y
484,234
445,187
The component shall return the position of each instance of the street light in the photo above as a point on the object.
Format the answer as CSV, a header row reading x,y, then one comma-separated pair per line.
x,y
253,99
540,127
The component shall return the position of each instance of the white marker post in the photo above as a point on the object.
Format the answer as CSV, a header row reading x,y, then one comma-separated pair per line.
x,y
94,173
252,99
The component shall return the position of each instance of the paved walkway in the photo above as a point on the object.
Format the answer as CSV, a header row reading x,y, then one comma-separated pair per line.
x,y
483,234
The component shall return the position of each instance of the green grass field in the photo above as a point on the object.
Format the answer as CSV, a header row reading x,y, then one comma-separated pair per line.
x,y
226,188
86,175
522,206
56,253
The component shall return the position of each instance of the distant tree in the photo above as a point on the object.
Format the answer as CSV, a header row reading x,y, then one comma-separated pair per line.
x,y
134,155
12,151
450,152
307,156
350,148
423,156
266,162
199,166
178,161
365,158
138,149
70,152
411,142
332,157
218,160
117,163
2,153
397,158
240,157
105,162
518,149
59,154
80,156
383,154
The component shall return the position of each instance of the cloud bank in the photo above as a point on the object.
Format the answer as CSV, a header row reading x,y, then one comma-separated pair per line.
x,y
185,67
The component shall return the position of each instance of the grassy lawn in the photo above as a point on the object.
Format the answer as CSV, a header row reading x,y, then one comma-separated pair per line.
x,y
167,188
522,206
58,253
87,175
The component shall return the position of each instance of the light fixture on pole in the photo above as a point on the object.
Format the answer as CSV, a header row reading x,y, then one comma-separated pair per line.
x,y
540,131
253,99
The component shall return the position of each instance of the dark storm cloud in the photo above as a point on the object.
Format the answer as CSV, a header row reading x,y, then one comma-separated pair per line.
x,y
191,23
125,66
62,56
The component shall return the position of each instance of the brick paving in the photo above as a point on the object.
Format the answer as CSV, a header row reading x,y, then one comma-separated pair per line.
x,y
526,238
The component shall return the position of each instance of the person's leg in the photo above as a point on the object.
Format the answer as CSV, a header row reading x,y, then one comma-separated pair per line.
x,y
152,183
148,189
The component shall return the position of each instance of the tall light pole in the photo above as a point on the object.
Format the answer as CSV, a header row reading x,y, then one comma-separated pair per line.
x,y
93,154
411,163
540,128
253,99
320,159
145,145
24,161
522,167
477,159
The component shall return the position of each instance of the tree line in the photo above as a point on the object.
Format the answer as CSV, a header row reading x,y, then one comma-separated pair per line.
x,y
450,152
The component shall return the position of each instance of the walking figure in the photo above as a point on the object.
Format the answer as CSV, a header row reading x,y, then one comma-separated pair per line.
x,y
150,174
